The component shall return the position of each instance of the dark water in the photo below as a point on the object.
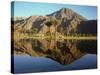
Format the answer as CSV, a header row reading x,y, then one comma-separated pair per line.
x,y
54,55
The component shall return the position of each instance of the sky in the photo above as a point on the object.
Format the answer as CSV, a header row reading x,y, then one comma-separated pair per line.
x,y
26,9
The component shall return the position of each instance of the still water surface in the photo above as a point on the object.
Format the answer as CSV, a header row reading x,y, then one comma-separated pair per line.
x,y
54,55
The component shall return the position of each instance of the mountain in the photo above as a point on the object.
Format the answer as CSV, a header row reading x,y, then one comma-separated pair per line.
x,y
87,27
65,13
30,22
64,21
17,19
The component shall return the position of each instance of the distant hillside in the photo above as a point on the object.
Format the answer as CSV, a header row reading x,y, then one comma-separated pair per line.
x,y
87,27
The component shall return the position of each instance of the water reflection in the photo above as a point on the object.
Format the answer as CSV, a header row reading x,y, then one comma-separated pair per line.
x,y
61,51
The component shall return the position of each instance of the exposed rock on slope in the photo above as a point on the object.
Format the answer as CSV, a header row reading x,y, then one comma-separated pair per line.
x,y
68,22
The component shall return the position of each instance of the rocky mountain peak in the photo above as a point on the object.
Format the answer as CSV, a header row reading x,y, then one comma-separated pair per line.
x,y
67,18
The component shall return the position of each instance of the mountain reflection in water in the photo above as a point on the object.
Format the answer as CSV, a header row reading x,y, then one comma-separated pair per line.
x,y
61,51
53,55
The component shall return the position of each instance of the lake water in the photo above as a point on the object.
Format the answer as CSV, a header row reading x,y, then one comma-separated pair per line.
x,y
53,55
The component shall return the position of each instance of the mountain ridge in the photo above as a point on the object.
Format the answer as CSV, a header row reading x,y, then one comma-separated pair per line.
x,y
67,19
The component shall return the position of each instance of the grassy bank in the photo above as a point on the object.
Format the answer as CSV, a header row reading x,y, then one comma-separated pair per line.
x,y
41,36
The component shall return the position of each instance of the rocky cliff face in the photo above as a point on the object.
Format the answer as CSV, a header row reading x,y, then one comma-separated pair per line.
x,y
68,20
